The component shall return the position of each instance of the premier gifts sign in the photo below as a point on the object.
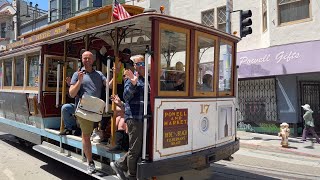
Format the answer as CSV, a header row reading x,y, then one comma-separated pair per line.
x,y
279,60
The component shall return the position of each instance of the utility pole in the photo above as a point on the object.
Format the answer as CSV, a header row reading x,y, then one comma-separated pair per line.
x,y
229,9
18,21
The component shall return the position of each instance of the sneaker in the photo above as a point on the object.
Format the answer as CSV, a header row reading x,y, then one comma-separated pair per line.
x,y
97,138
91,168
66,132
77,132
118,170
93,135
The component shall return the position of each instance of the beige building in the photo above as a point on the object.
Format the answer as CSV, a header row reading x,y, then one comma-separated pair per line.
x,y
6,25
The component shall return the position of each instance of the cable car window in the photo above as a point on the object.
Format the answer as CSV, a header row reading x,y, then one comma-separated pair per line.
x,y
52,73
33,71
225,67
19,71
8,72
174,57
71,68
204,71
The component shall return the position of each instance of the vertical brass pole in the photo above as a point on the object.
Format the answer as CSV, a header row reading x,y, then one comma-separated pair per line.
x,y
64,76
114,88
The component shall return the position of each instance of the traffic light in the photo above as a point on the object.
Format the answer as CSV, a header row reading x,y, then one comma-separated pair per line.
x,y
245,22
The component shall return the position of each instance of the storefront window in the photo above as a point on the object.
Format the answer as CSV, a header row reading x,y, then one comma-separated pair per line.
x,y
33,71
8,72
205,64
19,71
225,67
174,60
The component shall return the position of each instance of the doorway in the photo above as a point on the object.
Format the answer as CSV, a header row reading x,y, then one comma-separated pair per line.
x,y
310,94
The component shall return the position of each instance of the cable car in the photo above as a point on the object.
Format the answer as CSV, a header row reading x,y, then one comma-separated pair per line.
x,y
192,81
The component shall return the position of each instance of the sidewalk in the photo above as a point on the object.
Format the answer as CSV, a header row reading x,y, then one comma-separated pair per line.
x,y
271,143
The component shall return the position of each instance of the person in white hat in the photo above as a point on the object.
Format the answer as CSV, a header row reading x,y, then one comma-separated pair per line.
x,y
308,123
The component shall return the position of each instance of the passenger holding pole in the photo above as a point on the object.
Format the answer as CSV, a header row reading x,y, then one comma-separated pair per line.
x,y
121,135
89,82
134,116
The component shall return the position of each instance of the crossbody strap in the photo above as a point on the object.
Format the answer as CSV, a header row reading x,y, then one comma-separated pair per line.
x,y
80,107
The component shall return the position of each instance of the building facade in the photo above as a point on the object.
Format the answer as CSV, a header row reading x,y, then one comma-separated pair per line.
x,y
63,9
6,26
278,63
17,18
278,66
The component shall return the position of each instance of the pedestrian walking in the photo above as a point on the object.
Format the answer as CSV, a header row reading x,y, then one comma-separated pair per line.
x,y
308,123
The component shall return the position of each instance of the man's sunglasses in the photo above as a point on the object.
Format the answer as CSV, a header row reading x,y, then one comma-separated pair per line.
x,y
140,64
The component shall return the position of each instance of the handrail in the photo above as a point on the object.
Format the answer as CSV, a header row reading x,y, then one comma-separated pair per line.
x,y
58,84
39,78
107,85
145,108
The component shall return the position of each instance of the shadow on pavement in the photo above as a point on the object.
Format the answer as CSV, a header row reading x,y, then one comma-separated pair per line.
x,y
224,172
290,147
57,169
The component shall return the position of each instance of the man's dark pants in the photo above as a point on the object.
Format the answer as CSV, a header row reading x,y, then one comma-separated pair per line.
x,y
128,162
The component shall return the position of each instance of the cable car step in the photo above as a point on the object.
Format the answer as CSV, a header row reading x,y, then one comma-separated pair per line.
x,y
72,162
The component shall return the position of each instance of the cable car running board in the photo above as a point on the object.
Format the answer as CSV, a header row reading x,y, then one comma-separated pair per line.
x,y
71,162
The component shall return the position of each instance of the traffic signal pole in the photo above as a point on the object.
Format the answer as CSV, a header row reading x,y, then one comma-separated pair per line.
x,y
228,12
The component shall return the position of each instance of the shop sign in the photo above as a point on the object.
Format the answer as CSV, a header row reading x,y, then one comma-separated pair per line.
x,y
279,60
39,37
175,127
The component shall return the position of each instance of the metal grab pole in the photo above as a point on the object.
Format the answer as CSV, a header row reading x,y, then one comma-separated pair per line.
x,y
58,85
114,87
147,59
39,79
107,85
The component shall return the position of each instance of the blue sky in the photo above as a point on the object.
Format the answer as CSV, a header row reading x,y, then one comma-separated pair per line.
x,y
43,4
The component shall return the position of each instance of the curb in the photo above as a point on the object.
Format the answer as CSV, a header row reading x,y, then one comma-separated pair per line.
x,y
275,149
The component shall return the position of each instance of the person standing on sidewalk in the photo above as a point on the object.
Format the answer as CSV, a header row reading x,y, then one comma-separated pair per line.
x,y
308,123
134,103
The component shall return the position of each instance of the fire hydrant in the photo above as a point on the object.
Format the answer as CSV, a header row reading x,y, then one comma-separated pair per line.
x,y
284,133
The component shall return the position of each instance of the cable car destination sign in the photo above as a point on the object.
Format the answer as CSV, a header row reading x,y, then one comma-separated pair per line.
x,y
175,127
42,36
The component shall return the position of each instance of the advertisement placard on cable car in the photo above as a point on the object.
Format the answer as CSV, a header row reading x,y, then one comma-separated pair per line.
x,y
175,127
42,36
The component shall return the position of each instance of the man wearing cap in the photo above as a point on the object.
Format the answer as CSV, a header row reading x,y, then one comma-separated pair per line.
x,y
308,123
